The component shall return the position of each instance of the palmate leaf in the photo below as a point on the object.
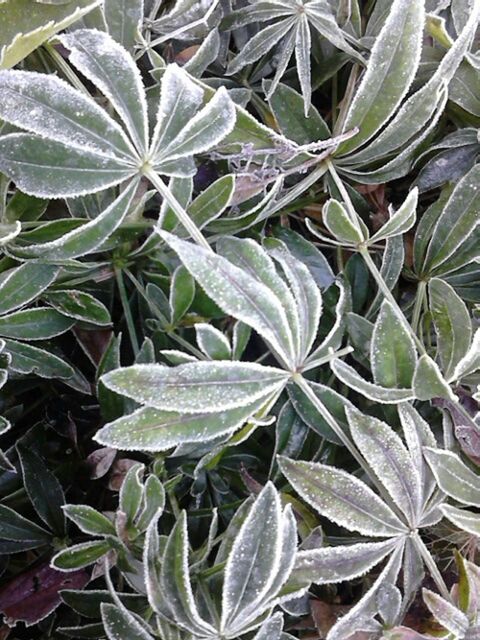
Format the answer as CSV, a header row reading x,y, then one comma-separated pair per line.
x,y
78,148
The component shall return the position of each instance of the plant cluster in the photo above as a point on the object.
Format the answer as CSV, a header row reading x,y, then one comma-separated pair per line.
x,y
239,309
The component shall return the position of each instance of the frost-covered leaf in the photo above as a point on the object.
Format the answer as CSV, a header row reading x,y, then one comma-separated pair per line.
x,y
23,284
462,518
80,555
16,528
342,498
452,324
89,520
471,360
401,221
428,381
27,359
391,69
239,294
85,239
131,493
153,430
119,623
79,306
212,342
197,386
446,613
339,223
26,25
454,477
390,460
108,65
34,324
124,20
337,564
182,292
271,629
392,352
375,392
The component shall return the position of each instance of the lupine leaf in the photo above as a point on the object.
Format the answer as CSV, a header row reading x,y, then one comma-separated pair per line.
x,y
27,359
401,220
34,324
89,520
212,342
446,614
23,284
428,381
462,518
124,19
342,498
454,477
120,624
78,305
80,555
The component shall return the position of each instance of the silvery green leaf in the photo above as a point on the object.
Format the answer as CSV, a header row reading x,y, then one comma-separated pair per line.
x,y
182,292
337,564
27,359
196,387
239,294
153,503
308,299
375,392
401,221
334,337
390,71
471,360
361,613
452,324
202,132
417,435
16,528
303,45
386,454
428,381
323,20
152,430
454,477
261,43
271,629
205,55
47,106
27,25
342,498
124,20
255,559
456,222
389,602
85,239
392,351
175,583
78,305
131,493
80,555
59,170
212,202
339,223
112,69
23,284
34,324
119,623
391,268
446,614
89,520
212,342
462,518
413,569
9,232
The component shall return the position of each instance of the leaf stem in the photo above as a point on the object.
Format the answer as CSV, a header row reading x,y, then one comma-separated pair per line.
x,y
389,296
431,565
179,211
127,311
344,193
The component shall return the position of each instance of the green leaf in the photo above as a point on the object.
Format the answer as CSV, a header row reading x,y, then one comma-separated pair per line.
x,y
27,359
338,222
471,361
239,294
452,324
124,20
8,232
428,381
454,477
391,69
86,239
25,25
390,460
80,555
338,564
212,342
457,221
59,170
303,46
131,493
196,387
16,528
23,284
212,202
89,520
182,293
153,503
43,489
375,392
111,404
34,324
446,614
119,623
401,220
392,352
342,498
462,518
112,69
79,305
153,430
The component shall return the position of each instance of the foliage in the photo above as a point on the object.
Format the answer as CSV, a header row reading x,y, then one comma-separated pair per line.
x,y
239,341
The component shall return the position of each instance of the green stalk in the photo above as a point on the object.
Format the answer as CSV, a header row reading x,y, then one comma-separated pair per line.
x,y
127,311
179,211
65,69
